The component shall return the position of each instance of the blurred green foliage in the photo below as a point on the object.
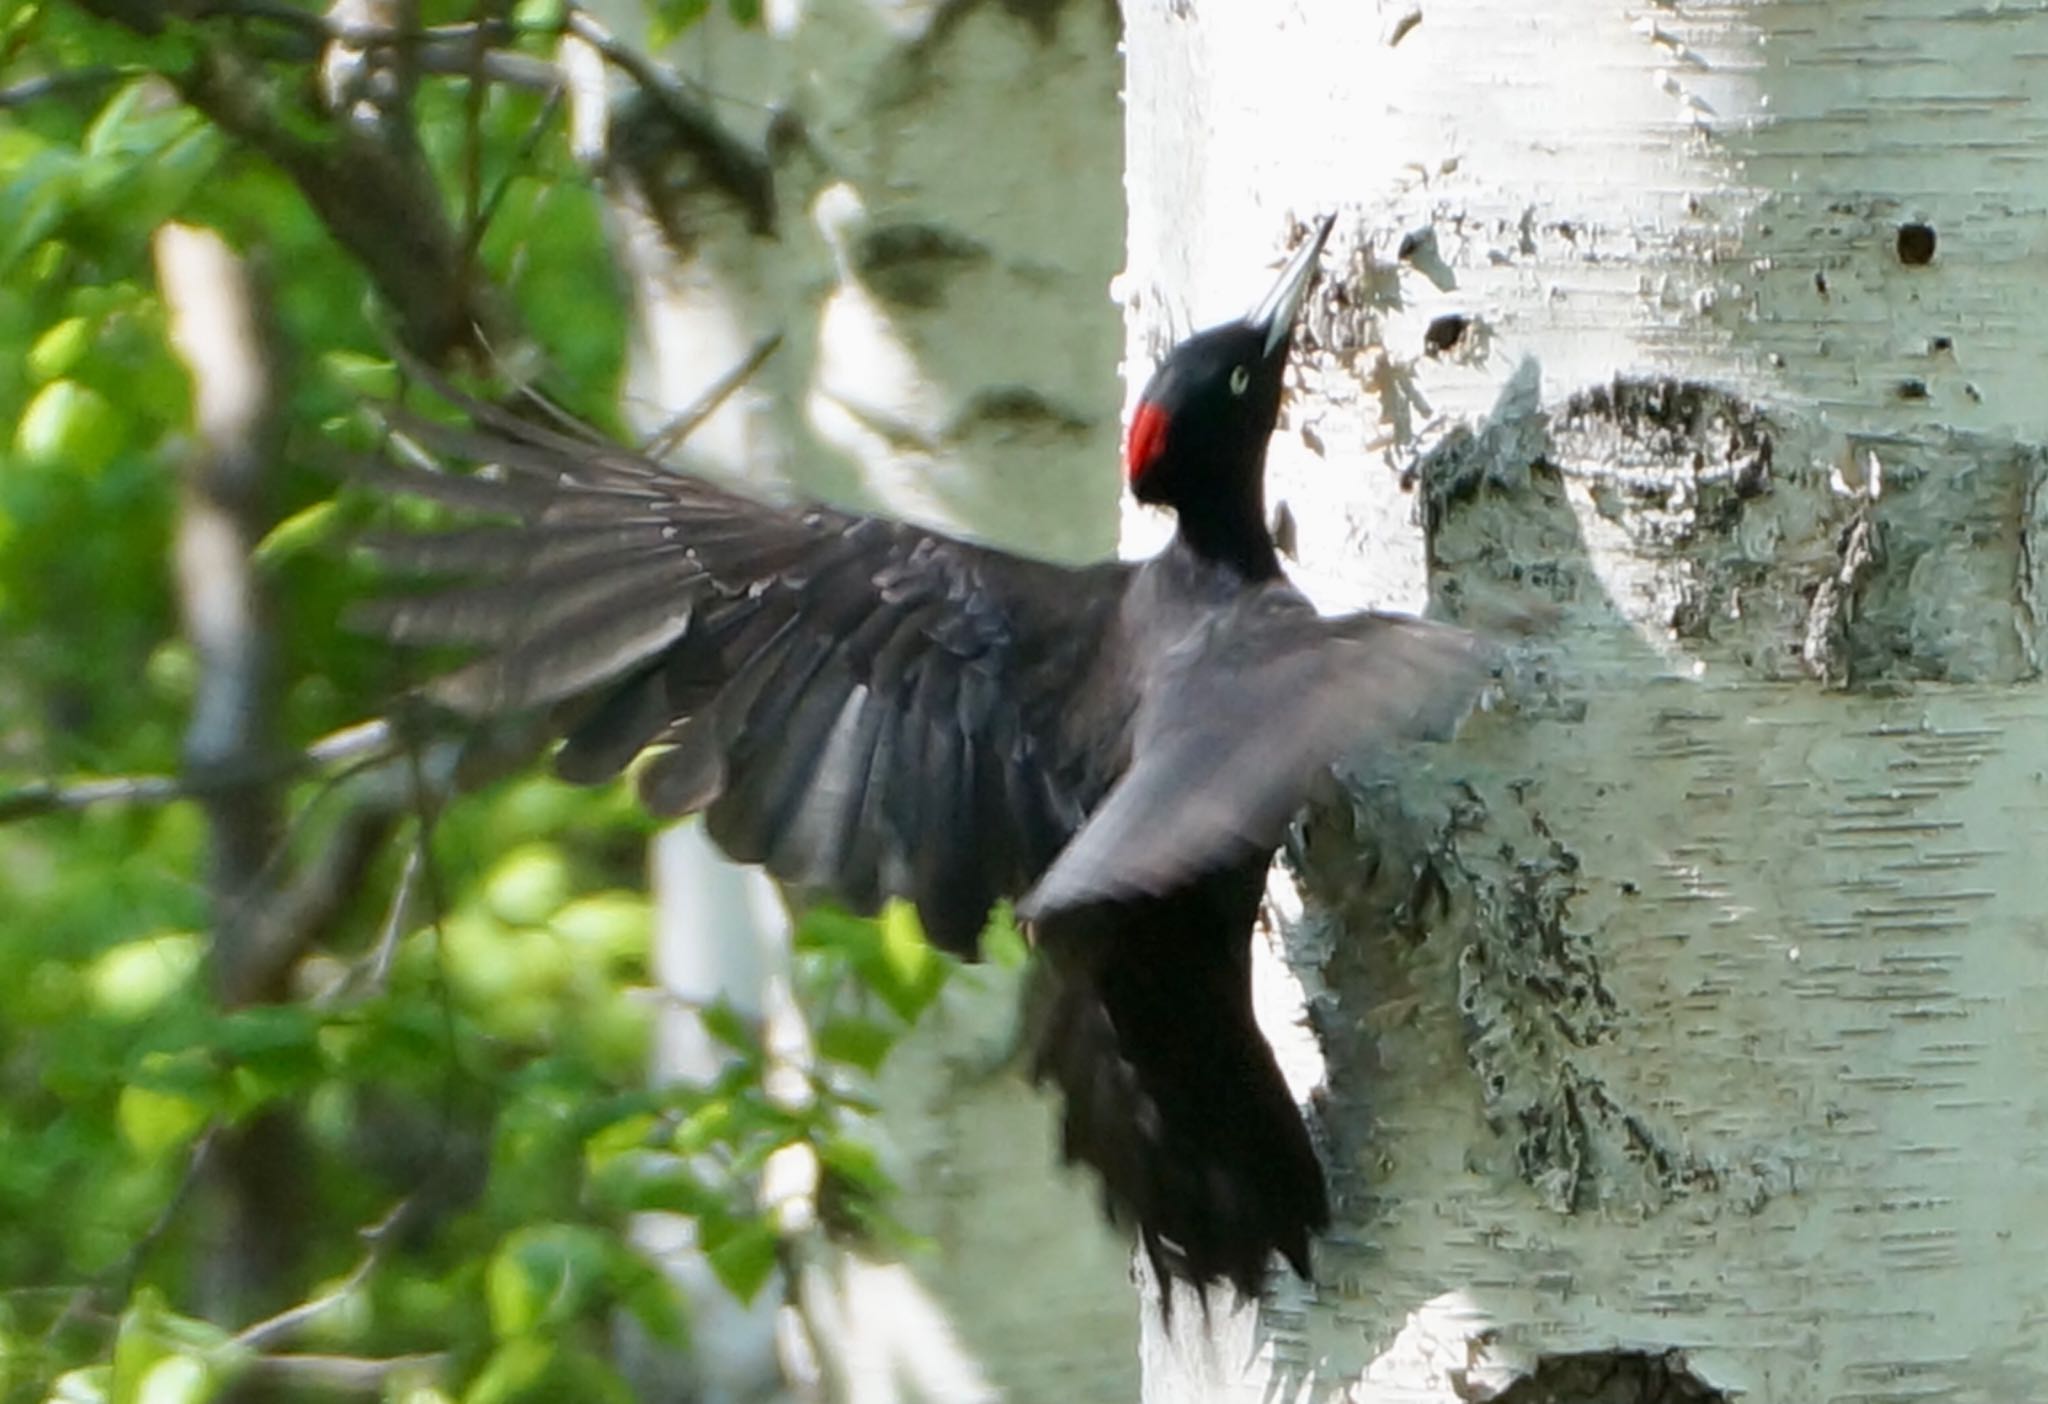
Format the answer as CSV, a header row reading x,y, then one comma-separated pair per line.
x,y
486,1070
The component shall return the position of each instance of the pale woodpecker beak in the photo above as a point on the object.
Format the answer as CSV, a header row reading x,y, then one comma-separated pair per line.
x,y
1276,311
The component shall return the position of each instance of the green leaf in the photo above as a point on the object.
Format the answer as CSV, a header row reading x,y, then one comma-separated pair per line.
x,y
159,1355
176,1379
613,928
911,972
528,885
60,349
651,1180
545,16
155,1124
268,1030
652,1298
1002,941
545,1275
372,377
512,1371
71,426
855,1162
302,531
744,1257
133,978
864,1043
275,1050
509,978
35,201
671,17
634,1132
731,1028
139,117
705,1127
172,671
828,928
90,1385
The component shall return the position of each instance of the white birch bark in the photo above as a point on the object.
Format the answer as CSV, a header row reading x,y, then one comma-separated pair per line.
x,y
1695,1001
928,215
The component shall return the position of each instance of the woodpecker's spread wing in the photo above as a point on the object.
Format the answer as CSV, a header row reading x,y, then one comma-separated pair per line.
x,y
867,708
1241,718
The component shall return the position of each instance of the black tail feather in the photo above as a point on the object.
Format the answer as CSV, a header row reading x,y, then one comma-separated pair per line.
x,y
1143,1019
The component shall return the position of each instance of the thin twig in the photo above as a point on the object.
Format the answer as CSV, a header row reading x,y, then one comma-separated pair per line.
x,y
298,914
45,797
368,975
341,1374
363,742
684,424
472,159
329,30
287,1323
195,1165
626,59
445,57
34,90
381,959
527,142
743,171
117,1281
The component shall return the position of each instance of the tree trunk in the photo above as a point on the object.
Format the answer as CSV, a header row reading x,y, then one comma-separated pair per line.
x,y
1678,1027
922,202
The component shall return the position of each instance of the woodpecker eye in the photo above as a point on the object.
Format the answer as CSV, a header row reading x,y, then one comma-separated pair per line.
x,y
1240,380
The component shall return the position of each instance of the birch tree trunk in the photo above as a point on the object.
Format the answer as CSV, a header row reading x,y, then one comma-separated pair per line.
x,y
1681,1033
920,199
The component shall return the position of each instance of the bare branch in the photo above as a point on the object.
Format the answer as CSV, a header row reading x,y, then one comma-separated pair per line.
x,y
378,198
220,328
298,918
50,85
444,57
362,742
118,1281
379,967
341,1374
434,48
287,1323
218,331
33,801
706,404
527,142
370,85
436,53
731,164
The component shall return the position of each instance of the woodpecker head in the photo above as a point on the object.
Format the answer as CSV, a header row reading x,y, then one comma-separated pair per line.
x,y
1200,429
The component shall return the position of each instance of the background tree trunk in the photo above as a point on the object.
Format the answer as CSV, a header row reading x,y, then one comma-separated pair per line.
x,y
1694,1002
922,202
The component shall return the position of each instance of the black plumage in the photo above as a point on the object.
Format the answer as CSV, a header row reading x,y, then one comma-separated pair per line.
x,y
873,709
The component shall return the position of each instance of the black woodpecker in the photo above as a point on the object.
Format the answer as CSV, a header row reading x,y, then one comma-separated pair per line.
x,y
874,709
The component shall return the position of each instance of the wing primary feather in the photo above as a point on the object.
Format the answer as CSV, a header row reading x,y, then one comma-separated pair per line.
x,y
581,653
604,740
811,827
470,491
538,603
499,549
775,753
690,774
